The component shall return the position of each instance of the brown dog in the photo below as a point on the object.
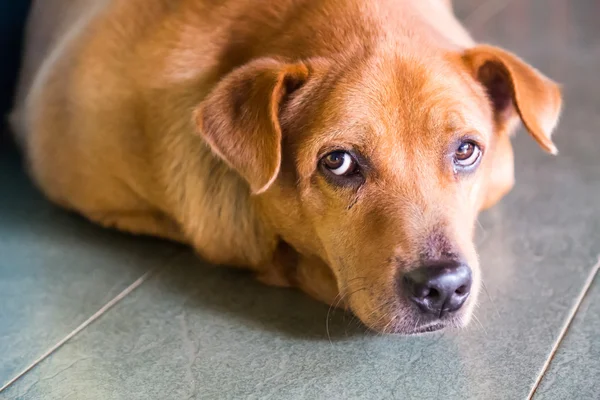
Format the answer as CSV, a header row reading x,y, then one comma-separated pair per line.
x,y
342,146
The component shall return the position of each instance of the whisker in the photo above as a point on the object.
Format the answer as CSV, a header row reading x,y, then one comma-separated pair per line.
x,y
340,294
353,279
387,326
383,315
340,299
480,324
490,297
480,225
401,322
484,234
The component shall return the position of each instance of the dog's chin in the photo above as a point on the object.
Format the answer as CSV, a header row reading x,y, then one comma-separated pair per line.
x,y
431,327
409,320
422,326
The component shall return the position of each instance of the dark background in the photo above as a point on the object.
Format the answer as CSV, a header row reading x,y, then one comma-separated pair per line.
x,y
12,20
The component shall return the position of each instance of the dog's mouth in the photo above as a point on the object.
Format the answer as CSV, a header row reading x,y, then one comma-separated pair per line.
x,y
428,328
434,325
414,323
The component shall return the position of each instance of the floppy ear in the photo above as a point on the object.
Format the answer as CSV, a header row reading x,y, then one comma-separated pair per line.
x,y
517,89
239,119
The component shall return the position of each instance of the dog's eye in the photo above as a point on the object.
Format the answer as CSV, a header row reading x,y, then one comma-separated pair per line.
x,y
467,154
340,163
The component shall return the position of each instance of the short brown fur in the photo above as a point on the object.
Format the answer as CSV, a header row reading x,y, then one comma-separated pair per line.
x,y
204,122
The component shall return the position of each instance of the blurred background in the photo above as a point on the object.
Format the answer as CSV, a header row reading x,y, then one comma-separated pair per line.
x,y
12,18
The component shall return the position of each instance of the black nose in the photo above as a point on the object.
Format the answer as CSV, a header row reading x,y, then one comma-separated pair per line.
x,y
438,287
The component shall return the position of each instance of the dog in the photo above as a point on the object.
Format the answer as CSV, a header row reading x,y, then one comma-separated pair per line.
x,y
342,147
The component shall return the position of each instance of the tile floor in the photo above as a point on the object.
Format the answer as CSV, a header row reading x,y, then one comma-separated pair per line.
x,y
191,331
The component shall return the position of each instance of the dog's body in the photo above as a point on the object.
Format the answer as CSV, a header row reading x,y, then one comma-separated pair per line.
x,y
147,116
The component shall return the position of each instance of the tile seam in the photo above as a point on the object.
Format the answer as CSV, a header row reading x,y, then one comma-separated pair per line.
x,y
137,283
565,328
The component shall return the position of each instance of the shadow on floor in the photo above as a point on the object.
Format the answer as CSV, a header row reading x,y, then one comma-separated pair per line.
x,y
231,292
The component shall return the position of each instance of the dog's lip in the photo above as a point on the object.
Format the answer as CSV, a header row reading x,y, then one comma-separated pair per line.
x,y
430,328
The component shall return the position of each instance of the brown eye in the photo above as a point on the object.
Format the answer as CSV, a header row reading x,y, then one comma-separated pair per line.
x,y
340,163
467,154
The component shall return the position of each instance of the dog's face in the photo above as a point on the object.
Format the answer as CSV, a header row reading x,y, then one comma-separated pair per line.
x,y
380,168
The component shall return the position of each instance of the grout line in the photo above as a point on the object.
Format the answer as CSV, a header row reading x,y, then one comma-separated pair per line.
x,y
81,327
584,291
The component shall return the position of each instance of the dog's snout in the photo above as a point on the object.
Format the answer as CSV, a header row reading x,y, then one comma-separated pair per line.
x,y
438,288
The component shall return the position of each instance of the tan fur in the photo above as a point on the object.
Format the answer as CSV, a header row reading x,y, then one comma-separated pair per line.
x,y
203,122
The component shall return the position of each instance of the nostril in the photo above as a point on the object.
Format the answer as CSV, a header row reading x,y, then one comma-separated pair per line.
x,y
432,294
421,291
461,290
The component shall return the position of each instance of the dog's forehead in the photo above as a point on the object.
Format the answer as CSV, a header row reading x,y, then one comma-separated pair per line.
x,y
406,102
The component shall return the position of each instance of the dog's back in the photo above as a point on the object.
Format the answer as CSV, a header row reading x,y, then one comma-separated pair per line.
x,y
102,110
88,64
53,24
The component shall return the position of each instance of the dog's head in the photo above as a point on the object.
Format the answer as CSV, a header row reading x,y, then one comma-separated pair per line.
x,y
380,167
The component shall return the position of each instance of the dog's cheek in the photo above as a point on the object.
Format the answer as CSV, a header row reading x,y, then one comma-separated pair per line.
x,y
499,176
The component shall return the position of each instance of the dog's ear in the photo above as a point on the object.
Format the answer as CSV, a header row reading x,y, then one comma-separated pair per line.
x,y
239,119
517,89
